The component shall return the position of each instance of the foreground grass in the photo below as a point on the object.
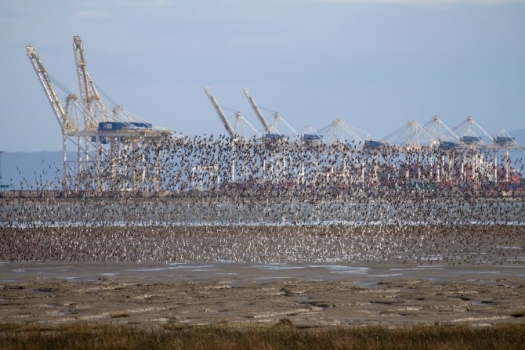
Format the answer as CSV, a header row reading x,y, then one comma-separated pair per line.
x,y
281,336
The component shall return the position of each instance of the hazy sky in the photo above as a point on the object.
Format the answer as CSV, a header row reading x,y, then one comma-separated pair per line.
x,y
375,64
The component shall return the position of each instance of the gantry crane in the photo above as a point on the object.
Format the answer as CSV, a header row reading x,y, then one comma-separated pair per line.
x,y
67,125
229,129
271,130
472,143
84,81
268,129
442,134
88,93
235,137
239,119
339,131
448,144
412,136
99,125
222,116
272,137
58,109
468,135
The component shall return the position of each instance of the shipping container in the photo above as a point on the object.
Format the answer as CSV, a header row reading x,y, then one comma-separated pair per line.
x,y
273,136
312,137
448,145
117,126
470,139
502,140
373,144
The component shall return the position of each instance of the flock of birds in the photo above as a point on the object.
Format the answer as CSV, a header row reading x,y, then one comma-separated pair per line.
x,y
205,199
256,167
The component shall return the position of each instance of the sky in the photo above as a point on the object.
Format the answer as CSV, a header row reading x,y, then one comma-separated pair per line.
x,y
375,64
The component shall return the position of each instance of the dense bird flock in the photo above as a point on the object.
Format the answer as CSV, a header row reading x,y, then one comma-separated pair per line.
x,y
207,199
256,167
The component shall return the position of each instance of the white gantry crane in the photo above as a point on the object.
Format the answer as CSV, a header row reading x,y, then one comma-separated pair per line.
x,y
442,134
222,116
268,129
68,126
503,144
239,119
236,138
468,135
90,125
340,132
88,93
412,136
271,131
471,160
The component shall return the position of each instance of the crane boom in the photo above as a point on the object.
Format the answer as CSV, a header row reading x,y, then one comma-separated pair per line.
x,y
221,114
94,108
262,119
60,112
83,76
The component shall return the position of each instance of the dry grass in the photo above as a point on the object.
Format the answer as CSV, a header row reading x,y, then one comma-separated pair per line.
x,y
281,336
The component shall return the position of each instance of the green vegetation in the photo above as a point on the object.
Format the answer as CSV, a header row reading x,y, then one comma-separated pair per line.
x,y
283,335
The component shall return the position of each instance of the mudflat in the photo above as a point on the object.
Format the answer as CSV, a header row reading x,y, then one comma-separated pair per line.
x,y
247,298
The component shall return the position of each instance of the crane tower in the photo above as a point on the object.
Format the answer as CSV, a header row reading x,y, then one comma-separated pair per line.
x,y
96,131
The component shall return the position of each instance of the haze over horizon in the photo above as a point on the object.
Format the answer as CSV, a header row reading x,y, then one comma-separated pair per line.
x,y
375,64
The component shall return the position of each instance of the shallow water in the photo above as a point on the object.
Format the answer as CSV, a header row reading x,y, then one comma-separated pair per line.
x,y
241,273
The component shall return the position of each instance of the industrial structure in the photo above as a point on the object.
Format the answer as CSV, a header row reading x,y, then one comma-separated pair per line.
x,y
118,151
432,152
91,128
